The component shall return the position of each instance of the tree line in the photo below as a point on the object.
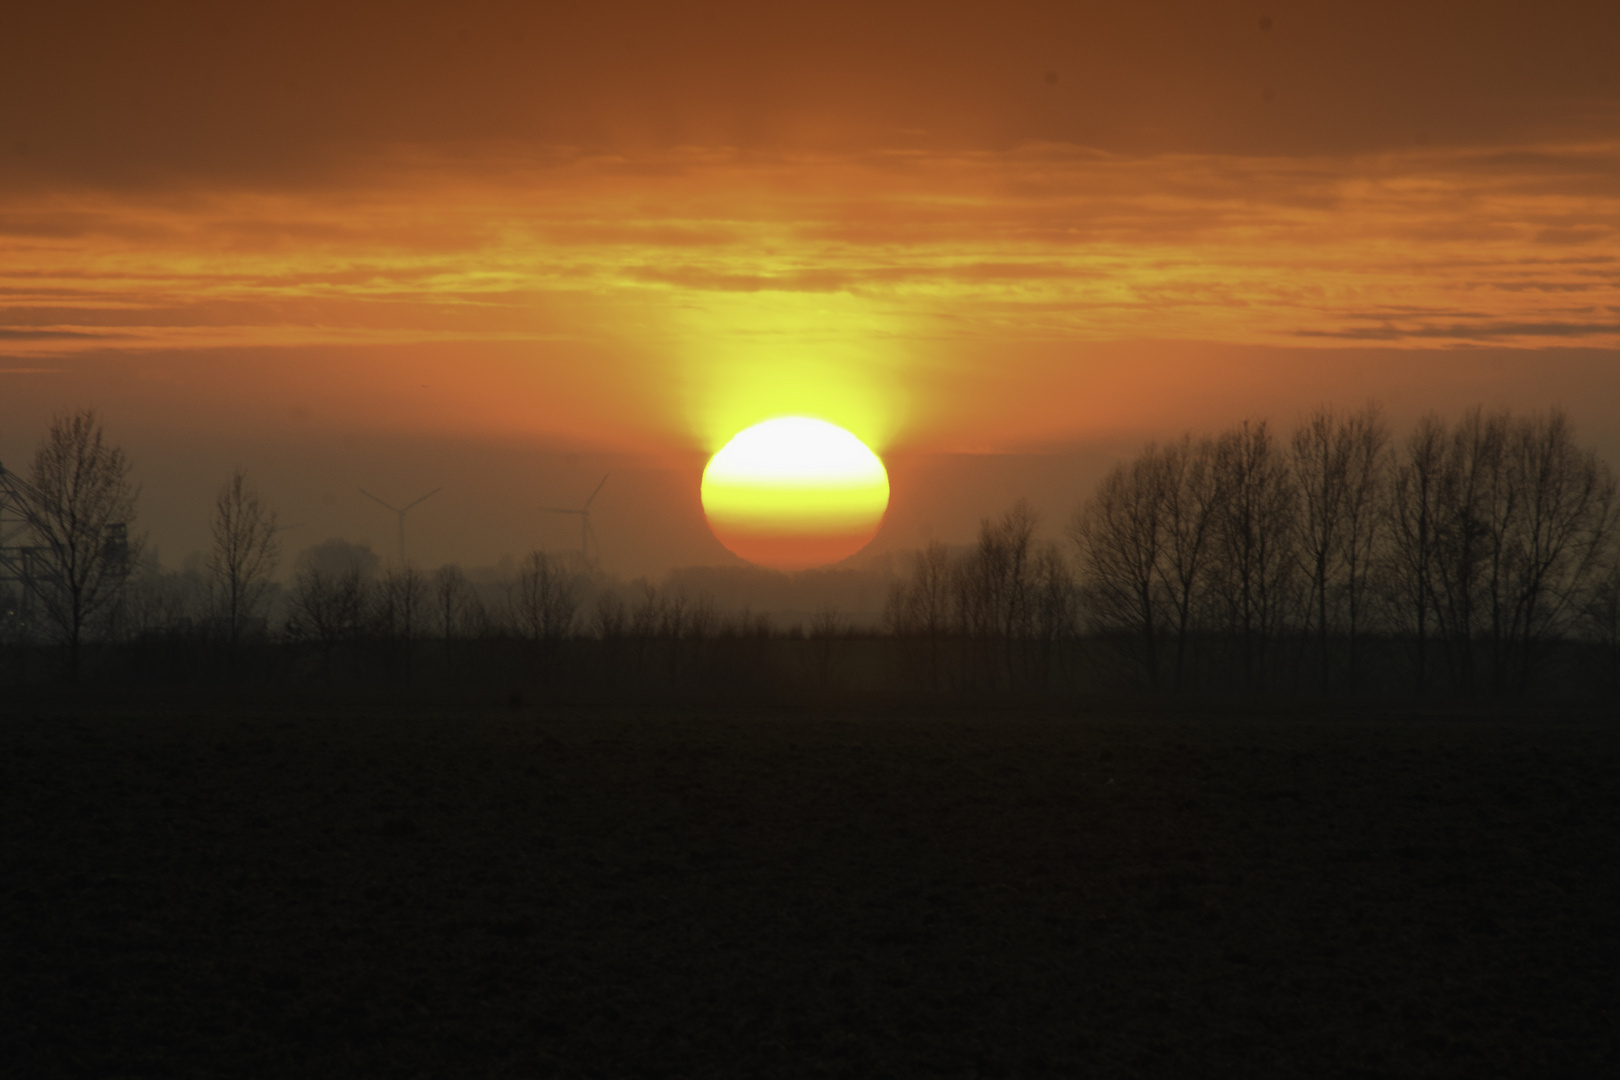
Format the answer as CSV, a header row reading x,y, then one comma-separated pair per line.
x,y
1463,557
1472,557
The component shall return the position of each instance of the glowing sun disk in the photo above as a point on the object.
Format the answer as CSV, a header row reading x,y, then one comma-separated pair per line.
x,y
795,492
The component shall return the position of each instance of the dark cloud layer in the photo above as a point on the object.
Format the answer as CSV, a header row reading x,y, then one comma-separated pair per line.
x,y
13,334
155,93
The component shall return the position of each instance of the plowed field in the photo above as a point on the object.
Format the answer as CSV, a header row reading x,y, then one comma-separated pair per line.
x,y
619,892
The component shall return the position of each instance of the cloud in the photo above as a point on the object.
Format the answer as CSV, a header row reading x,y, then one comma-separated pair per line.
x,y
1045,241
699,278
10,334
1570,236
1483,332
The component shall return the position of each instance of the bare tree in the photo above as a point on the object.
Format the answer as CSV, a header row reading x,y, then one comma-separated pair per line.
x,y
11,604
1600,622
1321,464
1415,512
162,603
79,504
994,587
1476,505
702,620
1500,525
1119,533
1014,540
1255,545
243,557
543,605
402,597
1192,501
918,611
328,609
647,615
457,610
610,621
1548,542
331,596
402,600
1365,521
611,617
1053,614
1338,467
829,631
452,596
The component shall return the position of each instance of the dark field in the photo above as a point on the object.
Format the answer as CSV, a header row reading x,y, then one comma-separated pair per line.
x,y
621,892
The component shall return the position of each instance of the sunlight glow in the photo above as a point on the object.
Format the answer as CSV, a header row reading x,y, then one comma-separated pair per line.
x,y
831,355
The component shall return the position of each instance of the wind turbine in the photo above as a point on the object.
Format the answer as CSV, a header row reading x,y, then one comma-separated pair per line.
x,y
584,512
401,513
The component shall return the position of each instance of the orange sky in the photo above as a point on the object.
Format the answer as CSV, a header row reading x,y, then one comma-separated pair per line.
x,y
623,232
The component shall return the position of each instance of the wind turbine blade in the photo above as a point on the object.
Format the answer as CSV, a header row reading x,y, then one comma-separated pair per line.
x,y
374,499
595,493
429,495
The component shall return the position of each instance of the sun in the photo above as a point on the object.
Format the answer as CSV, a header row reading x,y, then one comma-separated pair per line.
x,y
795,492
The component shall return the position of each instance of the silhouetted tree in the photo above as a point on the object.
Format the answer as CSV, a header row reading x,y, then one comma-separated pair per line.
x,y
1416,510
1256,542
1338,465
456,611
1475,505
1553,516
331,596
162,602
611,618
1365,521
1499,528
401,608
1053,612
11,616
647,613
702,619
1119,533
1192,501
79,504
829,631
918,611
1321,462
993,590
543,605
243,558
1145,542
1600,623
452,596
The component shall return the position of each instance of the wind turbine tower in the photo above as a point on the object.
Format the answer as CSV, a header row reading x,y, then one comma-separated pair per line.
x,y
401,512
586,533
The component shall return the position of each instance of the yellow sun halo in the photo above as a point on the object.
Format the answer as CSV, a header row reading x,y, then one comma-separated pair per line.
x,y
795,492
